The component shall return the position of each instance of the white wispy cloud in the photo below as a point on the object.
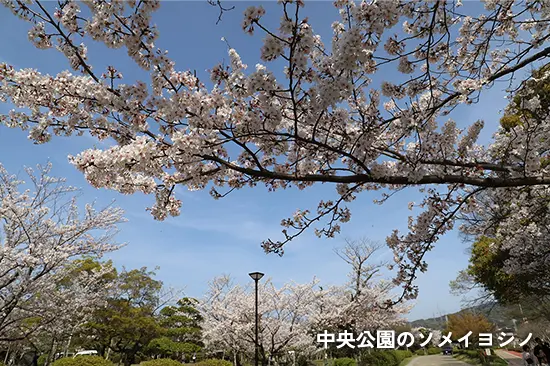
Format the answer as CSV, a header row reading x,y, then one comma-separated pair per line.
x,y
238,226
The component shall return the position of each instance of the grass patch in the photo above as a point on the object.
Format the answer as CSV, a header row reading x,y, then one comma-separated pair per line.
x,y
475,357
321,362
406,361
466,358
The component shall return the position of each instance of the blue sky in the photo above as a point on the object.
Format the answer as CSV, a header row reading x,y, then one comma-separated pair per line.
x,y
210,237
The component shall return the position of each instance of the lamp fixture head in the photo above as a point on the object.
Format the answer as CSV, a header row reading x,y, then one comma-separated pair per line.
x,y
256,276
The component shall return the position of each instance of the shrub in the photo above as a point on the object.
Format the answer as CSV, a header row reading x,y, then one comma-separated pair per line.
x,y
434,350
83,361
344,362
421,352
303,361
403,354
161,362
214,362
384,358
472,353
41,360
370,359
392,358
480,357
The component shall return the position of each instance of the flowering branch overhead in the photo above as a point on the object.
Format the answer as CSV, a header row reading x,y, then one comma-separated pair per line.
x,y
325,120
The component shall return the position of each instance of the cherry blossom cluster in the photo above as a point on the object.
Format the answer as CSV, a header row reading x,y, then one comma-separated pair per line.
x,y
288,314
229,316
366,311
325,120
43,233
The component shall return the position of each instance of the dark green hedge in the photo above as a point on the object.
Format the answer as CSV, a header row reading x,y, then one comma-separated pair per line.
x,y
214,362
479,356
161,362
403,354
384,358
83,361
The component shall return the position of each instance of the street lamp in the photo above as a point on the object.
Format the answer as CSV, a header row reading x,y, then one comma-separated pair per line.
x,y
256,276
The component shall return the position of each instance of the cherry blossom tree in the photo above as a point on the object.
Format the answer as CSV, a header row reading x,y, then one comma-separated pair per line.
x,y
325,120
358,255
284,318
357,305
423,334
42,235
510,255
292,316
337,309
59,333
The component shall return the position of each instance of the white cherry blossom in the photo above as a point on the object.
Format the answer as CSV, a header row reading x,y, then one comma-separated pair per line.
x,y
42,234
325,120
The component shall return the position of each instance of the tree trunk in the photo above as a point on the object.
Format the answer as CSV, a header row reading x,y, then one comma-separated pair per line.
x,y
129,359
131,355
51,357
7,354
238,359
68,345
109,349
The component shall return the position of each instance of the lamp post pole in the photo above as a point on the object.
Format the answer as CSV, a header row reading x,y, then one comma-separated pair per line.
x,y
256,276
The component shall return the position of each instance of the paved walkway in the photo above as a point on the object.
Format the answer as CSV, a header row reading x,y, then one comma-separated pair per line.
x,y
513,358
515,353
436,360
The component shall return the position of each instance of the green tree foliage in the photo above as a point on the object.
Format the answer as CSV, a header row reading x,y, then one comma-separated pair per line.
x,y
128,324
182,322
90,265
181,331
461,323
486,267
516,113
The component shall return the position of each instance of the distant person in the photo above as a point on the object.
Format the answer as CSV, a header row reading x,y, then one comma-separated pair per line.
x,y
528,358
542,351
